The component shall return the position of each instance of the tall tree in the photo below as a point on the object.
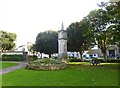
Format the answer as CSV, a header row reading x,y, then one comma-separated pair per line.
x,y
114,12
79,36
106,23
7,39
46,42
99,20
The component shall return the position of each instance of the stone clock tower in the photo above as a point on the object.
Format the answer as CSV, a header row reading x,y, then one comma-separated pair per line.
x,y
62,44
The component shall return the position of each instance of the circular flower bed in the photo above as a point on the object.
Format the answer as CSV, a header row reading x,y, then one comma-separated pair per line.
x,y
46,64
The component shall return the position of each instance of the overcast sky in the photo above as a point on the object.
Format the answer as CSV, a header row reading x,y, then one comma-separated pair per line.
x,y
27,18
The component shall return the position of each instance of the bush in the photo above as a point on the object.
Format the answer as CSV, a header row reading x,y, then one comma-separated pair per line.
x,y
113,60
46,61
101,60
46,64
109,60
32,58
74,60
14,57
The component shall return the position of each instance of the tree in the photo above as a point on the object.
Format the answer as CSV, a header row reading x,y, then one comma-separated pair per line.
x,y
46,42
106,24
7,39
114,12
32,49
100,21
79,36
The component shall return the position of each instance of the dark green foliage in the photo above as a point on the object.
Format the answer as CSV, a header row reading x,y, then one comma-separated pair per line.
x,y
102,60
80,36
114,12
32,58
46,42
106,25
12,58
99,20
109,60
113,60
74,60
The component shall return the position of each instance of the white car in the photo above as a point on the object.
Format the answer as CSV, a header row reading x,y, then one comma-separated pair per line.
x,y
87,59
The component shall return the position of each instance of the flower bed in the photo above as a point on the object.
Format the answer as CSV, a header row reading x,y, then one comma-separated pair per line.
x,y
46,64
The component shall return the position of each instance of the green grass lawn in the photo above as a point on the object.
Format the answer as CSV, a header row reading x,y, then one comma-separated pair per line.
x,y
79,74
7,64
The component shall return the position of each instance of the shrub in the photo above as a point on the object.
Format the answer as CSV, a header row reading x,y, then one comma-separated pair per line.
x,y
46,64
113,60
109,60
74,60
101,60
14,57
47,61
32,58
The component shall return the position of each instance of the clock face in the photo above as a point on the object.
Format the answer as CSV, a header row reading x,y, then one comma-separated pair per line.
x,y
62,35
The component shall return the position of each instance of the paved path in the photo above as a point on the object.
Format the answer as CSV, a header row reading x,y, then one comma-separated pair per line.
x,y
10,69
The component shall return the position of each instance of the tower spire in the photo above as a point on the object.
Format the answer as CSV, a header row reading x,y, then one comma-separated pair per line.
x,y
62,26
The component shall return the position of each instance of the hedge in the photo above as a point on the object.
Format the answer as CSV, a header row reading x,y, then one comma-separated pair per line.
x,y
110,60
32,58
101,60
113,60
74,60
14,57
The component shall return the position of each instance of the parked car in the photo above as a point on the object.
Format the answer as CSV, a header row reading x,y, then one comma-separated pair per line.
x,y
87,59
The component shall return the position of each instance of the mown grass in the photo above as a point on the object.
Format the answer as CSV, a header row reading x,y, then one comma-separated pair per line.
x,y
79,74
7,64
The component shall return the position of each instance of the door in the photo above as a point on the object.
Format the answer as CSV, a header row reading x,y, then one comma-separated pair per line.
x,y
111,53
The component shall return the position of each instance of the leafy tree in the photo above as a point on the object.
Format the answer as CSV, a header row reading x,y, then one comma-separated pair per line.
x,y
32,49
7,40
114,12
79,36
46,42
100,21
106,25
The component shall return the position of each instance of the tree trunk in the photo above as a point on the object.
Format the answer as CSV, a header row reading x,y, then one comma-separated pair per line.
x,y
41,55
81,55
105,57
104,54
49,55
33,53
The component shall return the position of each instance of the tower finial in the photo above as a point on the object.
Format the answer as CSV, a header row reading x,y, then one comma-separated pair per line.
x,y
62,27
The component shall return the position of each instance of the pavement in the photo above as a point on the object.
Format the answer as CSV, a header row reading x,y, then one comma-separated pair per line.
x,y
10,69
